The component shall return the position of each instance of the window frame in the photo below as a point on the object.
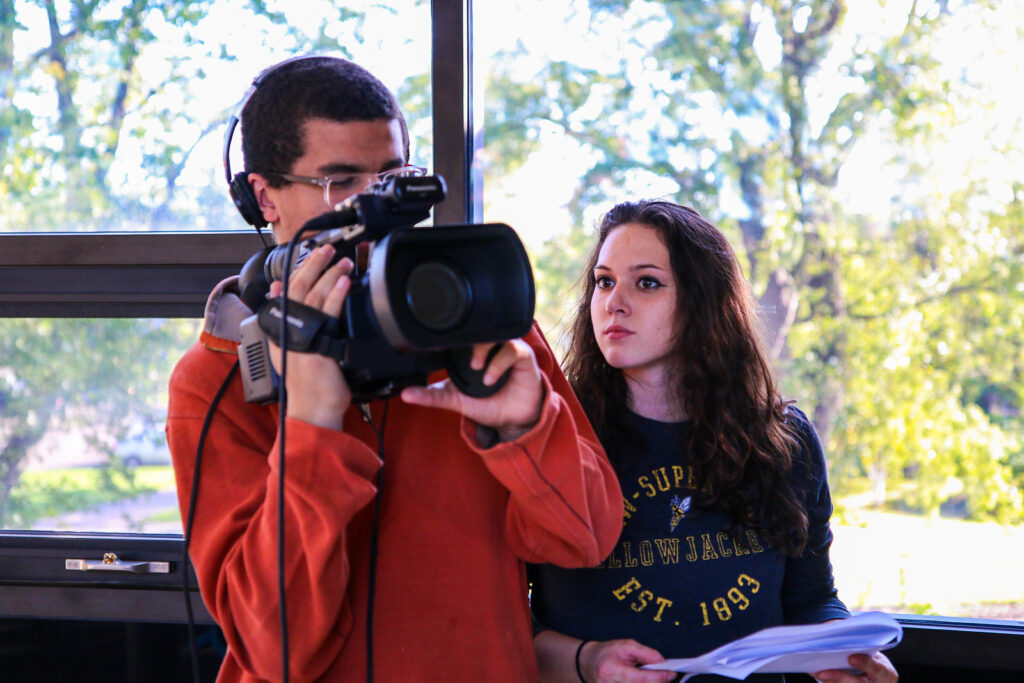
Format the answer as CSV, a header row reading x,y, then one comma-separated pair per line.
x,y
116,275
171,274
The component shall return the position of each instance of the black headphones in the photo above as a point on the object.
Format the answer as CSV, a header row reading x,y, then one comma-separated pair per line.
x,y
238,185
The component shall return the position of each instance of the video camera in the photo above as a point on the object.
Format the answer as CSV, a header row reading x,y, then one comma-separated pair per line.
x,y
425,297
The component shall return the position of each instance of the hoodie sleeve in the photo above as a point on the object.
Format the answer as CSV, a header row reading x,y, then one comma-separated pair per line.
x,y
235,533
565,504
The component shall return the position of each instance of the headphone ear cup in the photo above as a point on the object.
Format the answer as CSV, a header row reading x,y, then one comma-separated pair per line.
x,y
245,200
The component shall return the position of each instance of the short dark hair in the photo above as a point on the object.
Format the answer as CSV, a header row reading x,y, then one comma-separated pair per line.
x,y
293,93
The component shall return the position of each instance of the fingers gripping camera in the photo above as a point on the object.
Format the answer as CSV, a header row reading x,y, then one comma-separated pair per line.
x,y
426,296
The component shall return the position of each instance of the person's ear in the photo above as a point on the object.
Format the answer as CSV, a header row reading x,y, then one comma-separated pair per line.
x,y
264,197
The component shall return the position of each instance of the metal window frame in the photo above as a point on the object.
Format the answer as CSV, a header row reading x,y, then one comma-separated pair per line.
x,y
170,275
121,275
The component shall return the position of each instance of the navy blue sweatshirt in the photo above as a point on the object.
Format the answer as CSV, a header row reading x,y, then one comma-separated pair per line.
x,y
677,581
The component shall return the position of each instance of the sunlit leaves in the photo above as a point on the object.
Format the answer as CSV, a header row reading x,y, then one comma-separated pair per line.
x,y
906,346
95,377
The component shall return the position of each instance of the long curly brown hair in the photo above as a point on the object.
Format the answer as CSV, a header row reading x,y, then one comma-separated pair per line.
x,y
740,442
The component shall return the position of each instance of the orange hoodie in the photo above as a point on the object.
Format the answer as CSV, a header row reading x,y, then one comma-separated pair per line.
x,y
458,522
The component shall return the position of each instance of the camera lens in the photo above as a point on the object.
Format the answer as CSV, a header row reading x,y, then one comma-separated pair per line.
x,y
438,296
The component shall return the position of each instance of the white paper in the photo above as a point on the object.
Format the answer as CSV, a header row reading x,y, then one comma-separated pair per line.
x,y
794,649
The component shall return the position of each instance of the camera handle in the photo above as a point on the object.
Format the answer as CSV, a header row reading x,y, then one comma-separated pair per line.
x,y
309,330
470,381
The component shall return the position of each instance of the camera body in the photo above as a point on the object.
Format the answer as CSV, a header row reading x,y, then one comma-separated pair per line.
x,y
426,296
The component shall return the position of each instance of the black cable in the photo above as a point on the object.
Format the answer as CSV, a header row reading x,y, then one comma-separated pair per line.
x,y
281,592
263,238
371,589
191,517
282,408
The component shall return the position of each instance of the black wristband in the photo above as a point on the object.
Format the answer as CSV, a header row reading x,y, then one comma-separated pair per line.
x,y
579,672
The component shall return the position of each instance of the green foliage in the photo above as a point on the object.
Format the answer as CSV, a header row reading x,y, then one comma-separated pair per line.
x,y
557,273
108,72
414,99
91,68
99,378
900,336
938,405
100,74
37,497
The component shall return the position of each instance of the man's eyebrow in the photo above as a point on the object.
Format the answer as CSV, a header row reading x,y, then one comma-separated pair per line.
x,y
338,168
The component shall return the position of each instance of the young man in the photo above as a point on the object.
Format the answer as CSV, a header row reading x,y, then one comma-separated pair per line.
x,y
457,517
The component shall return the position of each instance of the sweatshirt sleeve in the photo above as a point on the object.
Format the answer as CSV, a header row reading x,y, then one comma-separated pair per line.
x,y
235,533
565,505
808,592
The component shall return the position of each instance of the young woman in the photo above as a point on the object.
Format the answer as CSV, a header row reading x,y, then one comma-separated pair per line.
x,y
727,506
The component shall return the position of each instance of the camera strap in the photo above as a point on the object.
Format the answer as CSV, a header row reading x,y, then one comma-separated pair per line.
x,y
307,330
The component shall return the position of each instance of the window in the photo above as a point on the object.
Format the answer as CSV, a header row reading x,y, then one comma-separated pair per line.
x,y
863,164
98,462
115,224
115,115
100,141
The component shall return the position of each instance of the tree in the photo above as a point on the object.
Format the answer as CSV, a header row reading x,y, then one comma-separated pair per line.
x,y
99,377
99,118
752,110
104,103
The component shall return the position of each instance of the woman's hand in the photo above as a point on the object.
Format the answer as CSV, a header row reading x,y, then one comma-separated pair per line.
x,y
617,661
877,669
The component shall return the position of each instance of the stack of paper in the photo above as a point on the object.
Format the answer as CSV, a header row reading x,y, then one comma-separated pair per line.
x,y
794,649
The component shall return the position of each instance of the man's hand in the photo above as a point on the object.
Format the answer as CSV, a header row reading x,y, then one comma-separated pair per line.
x,y
317,390
512,411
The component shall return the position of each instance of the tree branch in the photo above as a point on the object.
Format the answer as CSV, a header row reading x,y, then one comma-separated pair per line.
x,y
979,286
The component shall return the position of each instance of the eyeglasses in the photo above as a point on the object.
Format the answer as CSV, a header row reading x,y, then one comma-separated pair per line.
x,y
338,187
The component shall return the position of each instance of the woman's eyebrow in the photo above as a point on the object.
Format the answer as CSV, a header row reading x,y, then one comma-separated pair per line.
x,y
639,266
